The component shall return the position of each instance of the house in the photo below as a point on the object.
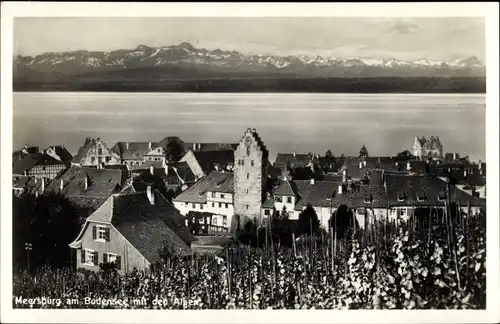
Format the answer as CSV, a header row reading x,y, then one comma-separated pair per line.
x,y
169,145
38,165
130,230
95,152
284,161
21,183
203,162
423,148
195,147
406,193
134,154
59,152
18,155
87,187
214,194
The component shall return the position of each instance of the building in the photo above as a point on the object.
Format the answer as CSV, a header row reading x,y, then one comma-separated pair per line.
x,y
195,147
134,154
286,161
94,152
204,162
211,194
406,193
424,148
59,152
87,187
18,155
38,165
130,230
22,184
250,176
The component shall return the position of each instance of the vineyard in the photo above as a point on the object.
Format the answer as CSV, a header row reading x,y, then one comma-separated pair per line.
x,y
425,263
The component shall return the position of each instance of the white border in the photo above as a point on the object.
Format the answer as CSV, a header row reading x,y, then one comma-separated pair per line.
x,y
24,9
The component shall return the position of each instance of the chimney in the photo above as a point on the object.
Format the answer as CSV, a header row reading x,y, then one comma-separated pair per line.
x,y
61,185
152,170
312,181
151,196
364,163
294,154
360,164
480,164
43,184
465,173
344,176
199,146
127,145
86,182
340,189
149,145
408,166
194,146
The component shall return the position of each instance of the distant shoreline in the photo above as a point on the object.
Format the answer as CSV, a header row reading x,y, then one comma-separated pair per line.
x,y
385,85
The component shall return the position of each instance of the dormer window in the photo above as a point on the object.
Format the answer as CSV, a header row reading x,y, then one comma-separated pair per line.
x,y
442,196
368,199
420,197
401,196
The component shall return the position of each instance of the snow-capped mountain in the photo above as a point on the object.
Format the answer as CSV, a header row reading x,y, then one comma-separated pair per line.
x,y
219,61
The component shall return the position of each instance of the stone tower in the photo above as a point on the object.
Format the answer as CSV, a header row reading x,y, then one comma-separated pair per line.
x,y
250,174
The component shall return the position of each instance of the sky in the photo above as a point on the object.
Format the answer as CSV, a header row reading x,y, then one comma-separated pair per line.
x,y
401,38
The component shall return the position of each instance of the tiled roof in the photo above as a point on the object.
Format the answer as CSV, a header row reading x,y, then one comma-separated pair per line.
x,y
284,188
63,153
101,183
184,172
31,160
268,202
208,159
148,226
274,172
210,146
409,187
317,194
361,196
17,155
214,181
292,159
135,150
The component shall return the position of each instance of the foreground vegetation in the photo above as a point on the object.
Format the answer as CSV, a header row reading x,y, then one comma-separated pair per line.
x,y
416,265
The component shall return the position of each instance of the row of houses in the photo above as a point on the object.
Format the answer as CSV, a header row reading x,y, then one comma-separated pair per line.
x,y
132,200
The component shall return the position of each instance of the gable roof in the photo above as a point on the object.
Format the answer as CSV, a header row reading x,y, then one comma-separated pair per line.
x,y
208,159
31,160
318,194
84,149
362,196
135,150
101,182
410,187
62,153
284,189
294,159
209,146
214,181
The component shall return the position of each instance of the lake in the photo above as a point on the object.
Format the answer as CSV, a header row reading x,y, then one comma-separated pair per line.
x,y
385,123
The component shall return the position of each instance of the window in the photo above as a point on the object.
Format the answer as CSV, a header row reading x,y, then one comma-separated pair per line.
x,y
247,191
227,206
289,200
220,205
100,233
201,206
403,211
441,196
241,162
99,160
360,211
248,175
246,207
248,150
108,158
213,204
214,221
186,204
222,196
92,159
279,199
267,212
43,168
99,151
194,206
252,163
109,257
89,257
224,220
213,194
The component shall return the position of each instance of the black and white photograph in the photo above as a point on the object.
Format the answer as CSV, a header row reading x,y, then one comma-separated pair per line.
x,y
252,157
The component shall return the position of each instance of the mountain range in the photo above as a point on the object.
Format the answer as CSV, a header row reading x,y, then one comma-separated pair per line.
x,y
185,62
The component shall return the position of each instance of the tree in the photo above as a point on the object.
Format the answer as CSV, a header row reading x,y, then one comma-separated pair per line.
x,y
49,223
363,152
342,220
307,218
174,150
404,154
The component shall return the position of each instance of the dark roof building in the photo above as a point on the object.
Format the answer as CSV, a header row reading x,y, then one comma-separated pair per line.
x,y
214,182
132,150
210,146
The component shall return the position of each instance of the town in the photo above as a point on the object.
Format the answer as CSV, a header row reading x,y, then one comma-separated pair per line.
x,y
133,200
